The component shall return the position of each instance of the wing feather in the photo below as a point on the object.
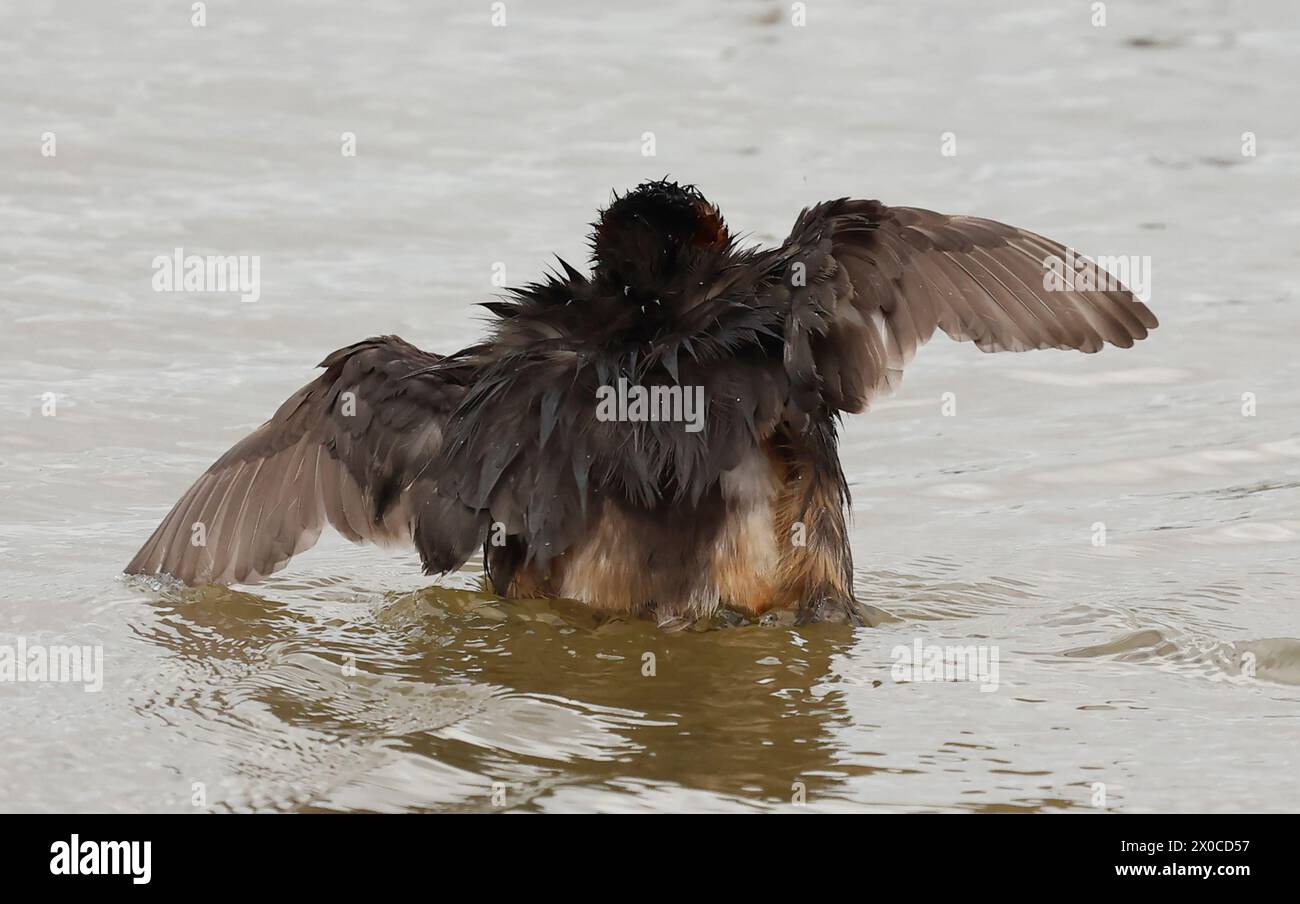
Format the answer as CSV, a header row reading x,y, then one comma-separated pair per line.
x,y
906,271
350,449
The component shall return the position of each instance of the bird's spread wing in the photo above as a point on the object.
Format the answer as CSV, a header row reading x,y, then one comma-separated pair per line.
x,y
867,284
352,448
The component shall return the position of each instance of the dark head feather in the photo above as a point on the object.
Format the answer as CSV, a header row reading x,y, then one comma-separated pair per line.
x,y
652,235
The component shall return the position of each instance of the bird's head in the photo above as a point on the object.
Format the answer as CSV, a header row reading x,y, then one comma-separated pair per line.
x,y
651,236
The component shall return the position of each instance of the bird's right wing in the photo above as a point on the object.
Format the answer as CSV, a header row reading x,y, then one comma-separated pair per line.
x,y
352,448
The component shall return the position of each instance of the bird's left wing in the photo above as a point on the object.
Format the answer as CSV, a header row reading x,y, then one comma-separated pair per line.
x,y
864,285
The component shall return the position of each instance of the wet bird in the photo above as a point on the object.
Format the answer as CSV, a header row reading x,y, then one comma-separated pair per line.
x,y
508,446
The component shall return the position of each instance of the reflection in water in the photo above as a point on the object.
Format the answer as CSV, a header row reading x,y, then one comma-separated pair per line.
x,y
533,694
444,699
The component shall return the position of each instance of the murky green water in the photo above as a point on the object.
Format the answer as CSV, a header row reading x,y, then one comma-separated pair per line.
x,y
1160,669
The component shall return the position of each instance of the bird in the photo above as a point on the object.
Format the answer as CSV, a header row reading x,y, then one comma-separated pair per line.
x,y
656,437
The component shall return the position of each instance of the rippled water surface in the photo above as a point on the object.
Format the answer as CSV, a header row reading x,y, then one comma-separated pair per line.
x,y
1164,664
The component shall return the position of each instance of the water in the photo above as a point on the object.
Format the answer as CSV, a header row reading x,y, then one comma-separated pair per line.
x,y
1164,665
